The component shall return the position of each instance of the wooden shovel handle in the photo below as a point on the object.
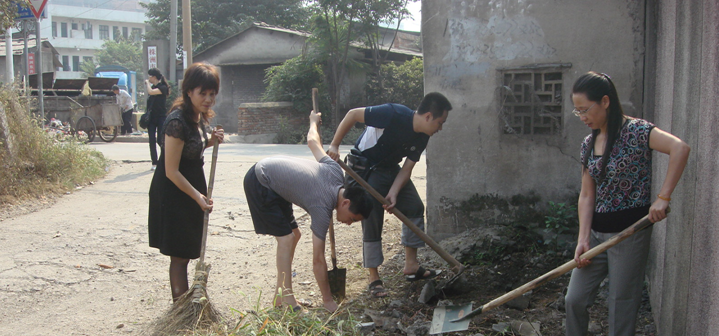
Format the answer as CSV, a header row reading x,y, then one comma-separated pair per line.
x,y
210,186
568,266
457,267
332,244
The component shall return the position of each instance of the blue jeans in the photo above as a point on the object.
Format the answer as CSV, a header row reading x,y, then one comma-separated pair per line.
x,y
155,125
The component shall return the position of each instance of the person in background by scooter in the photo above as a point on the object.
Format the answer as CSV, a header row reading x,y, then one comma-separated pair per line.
x,y
125,101
616,192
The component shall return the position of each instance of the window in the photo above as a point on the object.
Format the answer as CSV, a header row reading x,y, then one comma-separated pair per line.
x,y
65,63
124,32
136,34
54,29
104,32
116,33
88,30
75,63
63,29
531,100
74,26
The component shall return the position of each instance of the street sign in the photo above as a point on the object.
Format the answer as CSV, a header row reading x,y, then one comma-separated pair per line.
x,y
25,13
151,57
37,7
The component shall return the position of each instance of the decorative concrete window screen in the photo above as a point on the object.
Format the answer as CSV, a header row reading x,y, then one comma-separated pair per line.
x,y
531,100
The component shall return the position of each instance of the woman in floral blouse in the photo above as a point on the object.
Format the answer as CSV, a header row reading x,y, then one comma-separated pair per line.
x,y
616,192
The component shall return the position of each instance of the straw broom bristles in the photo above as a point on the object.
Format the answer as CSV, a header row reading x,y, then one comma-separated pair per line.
x,y
192,311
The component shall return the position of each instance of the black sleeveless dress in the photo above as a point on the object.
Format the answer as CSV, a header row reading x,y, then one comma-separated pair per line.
x,y
175,220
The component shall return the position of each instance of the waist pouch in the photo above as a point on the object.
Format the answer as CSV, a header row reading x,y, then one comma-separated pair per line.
x,y
359,164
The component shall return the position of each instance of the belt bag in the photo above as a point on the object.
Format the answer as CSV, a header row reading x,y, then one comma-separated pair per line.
x,y
359,164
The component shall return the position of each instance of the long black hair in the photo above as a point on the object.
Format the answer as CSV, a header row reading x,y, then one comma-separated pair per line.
x,y
595,86
204,76
155,72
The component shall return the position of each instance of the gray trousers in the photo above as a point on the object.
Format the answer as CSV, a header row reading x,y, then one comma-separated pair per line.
x,y
624,264
408,202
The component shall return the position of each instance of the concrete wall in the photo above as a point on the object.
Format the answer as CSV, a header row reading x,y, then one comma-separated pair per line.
x,y
684,262
239,84
466,42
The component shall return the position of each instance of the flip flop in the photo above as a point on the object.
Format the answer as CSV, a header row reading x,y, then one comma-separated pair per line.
x,y
419,275
376,289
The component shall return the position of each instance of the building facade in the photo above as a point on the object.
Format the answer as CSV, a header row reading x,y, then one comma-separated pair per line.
x,y
78,28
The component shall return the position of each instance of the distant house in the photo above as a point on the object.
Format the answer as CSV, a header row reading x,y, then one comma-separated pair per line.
x,y
49,56
244,57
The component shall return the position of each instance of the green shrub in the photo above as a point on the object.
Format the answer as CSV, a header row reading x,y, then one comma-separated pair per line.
x,y
401,84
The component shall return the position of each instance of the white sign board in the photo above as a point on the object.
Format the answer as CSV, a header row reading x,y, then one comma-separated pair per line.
x,y
151,57
37,7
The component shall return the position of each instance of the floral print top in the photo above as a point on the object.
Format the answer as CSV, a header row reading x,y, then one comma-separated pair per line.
x,y
628,176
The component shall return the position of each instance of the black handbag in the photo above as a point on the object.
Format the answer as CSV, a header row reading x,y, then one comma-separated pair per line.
x,y
145,120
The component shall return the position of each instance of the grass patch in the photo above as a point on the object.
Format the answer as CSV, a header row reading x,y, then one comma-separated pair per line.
x,y
282,321
38,163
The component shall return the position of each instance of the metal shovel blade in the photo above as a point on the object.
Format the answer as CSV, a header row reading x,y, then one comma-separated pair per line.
x,y
338,279
442,317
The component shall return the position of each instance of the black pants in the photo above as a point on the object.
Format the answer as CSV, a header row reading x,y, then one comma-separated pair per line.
x,y
154,130
126,122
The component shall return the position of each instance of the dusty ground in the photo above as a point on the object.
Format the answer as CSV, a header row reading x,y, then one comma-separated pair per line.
x,y
80,265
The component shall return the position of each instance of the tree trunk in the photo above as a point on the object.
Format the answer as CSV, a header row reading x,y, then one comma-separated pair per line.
x,y
5,136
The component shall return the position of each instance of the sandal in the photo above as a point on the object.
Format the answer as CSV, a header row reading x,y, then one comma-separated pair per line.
x,y
419,275
377,290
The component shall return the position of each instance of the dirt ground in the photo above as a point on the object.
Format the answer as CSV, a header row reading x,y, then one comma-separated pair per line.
x,y
80,264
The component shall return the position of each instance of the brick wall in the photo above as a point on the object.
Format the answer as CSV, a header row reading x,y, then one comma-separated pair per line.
x,y
264,118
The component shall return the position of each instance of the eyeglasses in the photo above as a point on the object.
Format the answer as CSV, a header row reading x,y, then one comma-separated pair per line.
x,y
579,113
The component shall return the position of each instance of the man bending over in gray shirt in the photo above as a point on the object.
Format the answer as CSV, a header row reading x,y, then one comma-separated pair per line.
x,y
273,184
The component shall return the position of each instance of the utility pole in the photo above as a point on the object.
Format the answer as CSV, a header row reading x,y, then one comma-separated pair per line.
x,y
38,65
187,32
173,40
9,73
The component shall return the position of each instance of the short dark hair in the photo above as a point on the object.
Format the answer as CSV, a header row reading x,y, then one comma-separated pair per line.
x,y
360,200
436,103
115,88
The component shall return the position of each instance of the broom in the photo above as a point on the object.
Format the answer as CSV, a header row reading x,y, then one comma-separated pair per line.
x,y
193,309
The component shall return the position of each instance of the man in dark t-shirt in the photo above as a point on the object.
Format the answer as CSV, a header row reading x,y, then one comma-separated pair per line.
x,y
393,132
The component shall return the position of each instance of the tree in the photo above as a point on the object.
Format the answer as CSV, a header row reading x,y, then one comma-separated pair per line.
x,y
8,12
124,52
215,20
402,84
338,25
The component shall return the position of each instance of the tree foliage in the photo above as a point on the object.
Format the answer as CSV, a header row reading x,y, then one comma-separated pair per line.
x,y
336,26
293,80
124,52
402,84
215,20
8,12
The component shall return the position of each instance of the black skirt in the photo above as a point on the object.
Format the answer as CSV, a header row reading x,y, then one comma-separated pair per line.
x,y
175,220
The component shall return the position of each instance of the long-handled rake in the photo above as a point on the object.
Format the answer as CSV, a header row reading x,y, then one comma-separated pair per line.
x,y
193,309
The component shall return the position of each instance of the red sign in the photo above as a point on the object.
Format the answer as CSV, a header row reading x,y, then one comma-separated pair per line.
x,y
31,63
37,7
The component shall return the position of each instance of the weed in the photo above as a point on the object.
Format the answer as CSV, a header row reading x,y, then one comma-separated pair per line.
x,y
38,163
561,218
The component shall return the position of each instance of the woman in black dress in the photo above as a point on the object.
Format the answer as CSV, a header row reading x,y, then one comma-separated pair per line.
x,y
157,90
178,190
